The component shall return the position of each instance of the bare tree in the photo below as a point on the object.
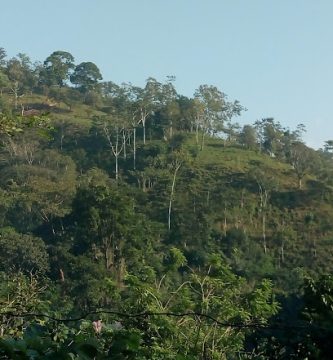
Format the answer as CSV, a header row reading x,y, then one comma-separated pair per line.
x,y
113,136
176,164
265,186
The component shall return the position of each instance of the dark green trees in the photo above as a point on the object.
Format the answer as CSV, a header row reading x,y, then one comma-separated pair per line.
x,y
86,76
57,68
248,137
20,252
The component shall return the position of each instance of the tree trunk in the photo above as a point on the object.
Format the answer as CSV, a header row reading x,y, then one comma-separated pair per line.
x,y
134,148
202,140
144,131
197,133
114,148
225,221
171,195
300,183
116,156
242,199
170,130
124,143
264,232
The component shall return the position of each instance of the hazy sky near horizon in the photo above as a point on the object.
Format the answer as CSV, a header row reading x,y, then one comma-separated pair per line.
x,y
274,56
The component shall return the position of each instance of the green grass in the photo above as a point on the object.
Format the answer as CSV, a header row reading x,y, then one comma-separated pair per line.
x,y
235,159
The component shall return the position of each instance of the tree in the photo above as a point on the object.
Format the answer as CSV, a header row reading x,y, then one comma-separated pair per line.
x,y
4,82
328,147
113,129
175,166
120,104
57,68
169,106
300,157
232,131
109,230
265,185
289,138
248,137
16,75
213,110
187,113
145,102
22,252
270,134
284,237
3,56
42,185
86,76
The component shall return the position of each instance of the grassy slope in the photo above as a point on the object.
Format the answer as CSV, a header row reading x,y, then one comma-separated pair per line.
x,y
229,168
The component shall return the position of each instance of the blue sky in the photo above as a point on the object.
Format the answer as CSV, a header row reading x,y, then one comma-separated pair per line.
x,y
274,56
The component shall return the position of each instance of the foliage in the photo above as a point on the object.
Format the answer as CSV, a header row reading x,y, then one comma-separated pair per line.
x,y
22,252
137,223
57,68
86,76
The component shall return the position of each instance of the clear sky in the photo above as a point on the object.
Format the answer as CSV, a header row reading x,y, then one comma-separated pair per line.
x,y
274,56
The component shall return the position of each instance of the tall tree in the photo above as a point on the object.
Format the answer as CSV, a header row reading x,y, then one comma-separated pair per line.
x,y
301,159
86,76
113,128
146,102
175,166
169,104
57,68
122,102
17,75
248,137
270,134
4,82
266,184
214,110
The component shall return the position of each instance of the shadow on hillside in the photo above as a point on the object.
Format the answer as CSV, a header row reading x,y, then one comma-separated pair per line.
x,y
291,199
315,192
46,108
218,146
222,145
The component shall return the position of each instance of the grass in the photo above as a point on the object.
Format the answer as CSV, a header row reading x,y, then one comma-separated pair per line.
x,y
231,158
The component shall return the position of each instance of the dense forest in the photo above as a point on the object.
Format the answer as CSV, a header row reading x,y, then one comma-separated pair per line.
x,y
138,223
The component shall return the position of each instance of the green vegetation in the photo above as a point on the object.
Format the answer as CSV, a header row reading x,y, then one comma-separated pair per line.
x,y
137,223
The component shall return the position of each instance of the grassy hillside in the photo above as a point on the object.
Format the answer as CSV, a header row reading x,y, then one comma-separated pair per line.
x,y
138,223
241,202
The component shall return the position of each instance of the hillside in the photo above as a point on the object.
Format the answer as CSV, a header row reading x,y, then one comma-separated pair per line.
x,y
184,232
